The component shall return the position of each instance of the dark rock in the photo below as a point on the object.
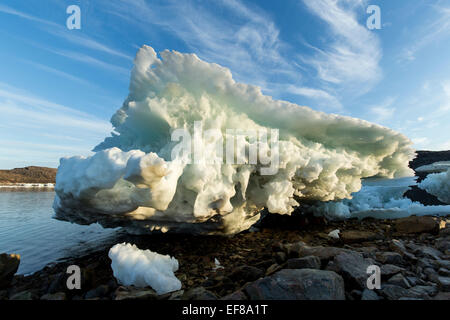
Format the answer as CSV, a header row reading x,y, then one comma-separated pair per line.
x,y
300,250
98,292
442,296
199,293
353,267
399,247
393,292
280,257
444,283
54,296
237,295
399,280
133,293
444,272
246,273
369,295
388,270
9,263
415,224
298,284
24,295
309,262
423,291
353,236
390,258
272,269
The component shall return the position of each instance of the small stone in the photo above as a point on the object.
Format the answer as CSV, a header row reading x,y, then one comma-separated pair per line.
x,y
24,295
246,273
389,258
399,247
399,280
237,295
353,267
308,262
199,293
272,269
444,272
388,270
98,292
132,293
369,295
54,296
444,283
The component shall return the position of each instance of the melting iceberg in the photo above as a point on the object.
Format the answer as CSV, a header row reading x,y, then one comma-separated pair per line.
x,y
136,180
141,268
438,184
379,198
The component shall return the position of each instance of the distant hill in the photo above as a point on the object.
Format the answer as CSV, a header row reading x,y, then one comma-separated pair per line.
x,y
28,175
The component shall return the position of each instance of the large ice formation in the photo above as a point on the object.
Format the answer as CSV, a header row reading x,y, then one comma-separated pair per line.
x,y
141,268
438,184
132,180
379,198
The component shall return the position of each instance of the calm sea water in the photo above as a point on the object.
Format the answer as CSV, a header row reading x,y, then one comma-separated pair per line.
x,y
27,228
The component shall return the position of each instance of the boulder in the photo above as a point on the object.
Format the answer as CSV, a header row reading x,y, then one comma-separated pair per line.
x,y
9,263
298,284
415,224
308,262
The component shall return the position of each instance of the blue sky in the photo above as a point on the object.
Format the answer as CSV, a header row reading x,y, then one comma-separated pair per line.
x,y
59,87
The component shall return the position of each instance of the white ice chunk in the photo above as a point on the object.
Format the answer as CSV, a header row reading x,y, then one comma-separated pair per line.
x,y
438,184
334,234
133,181
141,268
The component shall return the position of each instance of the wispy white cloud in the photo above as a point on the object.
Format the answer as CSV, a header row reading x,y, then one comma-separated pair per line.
x,y
353,53
384,110
60,31
431,33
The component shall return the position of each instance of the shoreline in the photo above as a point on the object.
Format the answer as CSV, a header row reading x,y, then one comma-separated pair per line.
x,y
413,254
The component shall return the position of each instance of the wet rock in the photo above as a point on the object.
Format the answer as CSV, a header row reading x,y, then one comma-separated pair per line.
x,y
246,273
353,267
133,293
54,296
298,284
308,262
369,295
199,293
237,295
9,263
389,258
354,236
399,280
415,224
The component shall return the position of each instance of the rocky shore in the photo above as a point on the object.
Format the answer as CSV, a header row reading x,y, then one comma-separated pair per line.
x,y
28,175
304,262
